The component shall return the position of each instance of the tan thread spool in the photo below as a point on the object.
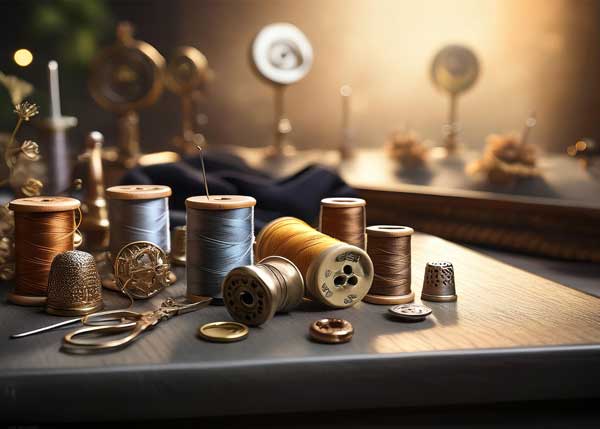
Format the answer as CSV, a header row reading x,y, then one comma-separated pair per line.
x,y
344,219
389,249
44,228
254,293
336,274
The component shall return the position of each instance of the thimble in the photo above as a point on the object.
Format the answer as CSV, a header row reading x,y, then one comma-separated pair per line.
x,y
438,282
178,246
74,286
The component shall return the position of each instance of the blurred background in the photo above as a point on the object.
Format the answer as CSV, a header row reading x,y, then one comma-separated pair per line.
x,y
535,55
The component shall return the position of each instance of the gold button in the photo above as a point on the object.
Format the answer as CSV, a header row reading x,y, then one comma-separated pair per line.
x,y
223,332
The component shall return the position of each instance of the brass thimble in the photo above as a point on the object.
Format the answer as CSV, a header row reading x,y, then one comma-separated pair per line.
x,y
178,246
438,282
74,286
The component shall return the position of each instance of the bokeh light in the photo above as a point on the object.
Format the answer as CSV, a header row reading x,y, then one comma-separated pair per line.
x,y
23,57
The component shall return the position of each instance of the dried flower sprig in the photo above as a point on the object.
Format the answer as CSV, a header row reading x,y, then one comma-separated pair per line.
x,y
26,110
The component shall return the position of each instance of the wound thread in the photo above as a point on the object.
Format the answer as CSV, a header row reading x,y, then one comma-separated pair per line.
x,y
44,228
253,294
219,237
335,273
389,249
344,219
139,213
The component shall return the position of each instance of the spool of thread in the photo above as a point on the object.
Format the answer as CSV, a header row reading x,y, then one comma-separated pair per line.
x,y
344,219
389,249
254,293
336,274
139,213
44,228
219,237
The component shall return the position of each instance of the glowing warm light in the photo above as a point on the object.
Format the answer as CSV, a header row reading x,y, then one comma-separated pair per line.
x,y
581,145
23,57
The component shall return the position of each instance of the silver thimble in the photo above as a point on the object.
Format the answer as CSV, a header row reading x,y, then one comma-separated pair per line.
x,y
438,282
178,246
74,286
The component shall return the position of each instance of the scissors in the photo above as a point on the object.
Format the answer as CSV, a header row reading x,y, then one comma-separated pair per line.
x,y
106,323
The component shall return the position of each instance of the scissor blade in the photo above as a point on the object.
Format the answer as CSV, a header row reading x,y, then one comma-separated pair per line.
x,y
46,328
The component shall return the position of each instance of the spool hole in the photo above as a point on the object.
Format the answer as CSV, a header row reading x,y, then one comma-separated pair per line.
x,y
339,280
222,198
341,200
46,200
247,299
347,269
352,281
390,228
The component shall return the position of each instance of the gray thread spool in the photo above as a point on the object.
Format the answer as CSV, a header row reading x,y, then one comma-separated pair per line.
x,y
220,236
139,213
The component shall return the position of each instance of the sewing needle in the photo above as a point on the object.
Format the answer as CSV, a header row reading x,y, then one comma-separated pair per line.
x,y
46,328
203,172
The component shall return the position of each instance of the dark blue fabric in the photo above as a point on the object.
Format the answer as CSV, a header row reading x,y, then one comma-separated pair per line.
x,y
298,195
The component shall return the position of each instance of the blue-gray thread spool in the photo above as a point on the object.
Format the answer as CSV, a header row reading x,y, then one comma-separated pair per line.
x,y
139,213
220,236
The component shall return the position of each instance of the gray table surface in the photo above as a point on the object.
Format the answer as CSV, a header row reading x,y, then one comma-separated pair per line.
x,y
169,373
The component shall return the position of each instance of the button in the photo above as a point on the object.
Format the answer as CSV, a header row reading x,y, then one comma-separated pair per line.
x,y
332,331
410,312
223,332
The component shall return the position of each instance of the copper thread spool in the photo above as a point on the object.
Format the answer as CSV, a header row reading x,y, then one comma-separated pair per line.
x,y
254,293
389,249
344,219
74,287
336,274
44,227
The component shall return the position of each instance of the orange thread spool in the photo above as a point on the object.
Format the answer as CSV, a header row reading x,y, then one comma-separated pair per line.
x,y
337,274
44,227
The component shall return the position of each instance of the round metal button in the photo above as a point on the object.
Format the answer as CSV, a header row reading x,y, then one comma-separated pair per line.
x,y
223,332
410,312
332,331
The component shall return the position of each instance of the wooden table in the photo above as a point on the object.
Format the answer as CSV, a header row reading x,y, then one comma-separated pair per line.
x,y
511,336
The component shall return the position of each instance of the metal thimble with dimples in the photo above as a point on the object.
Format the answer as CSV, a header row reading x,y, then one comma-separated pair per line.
x,y
74,286
438,282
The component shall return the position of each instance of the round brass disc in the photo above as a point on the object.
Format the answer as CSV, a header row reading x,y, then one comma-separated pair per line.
x,y
455,69
142,269
223,332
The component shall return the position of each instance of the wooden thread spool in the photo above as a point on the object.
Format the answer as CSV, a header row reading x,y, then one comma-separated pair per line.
x,y
344,219
389,249
254,293
219,238
44,227
336,274
139,213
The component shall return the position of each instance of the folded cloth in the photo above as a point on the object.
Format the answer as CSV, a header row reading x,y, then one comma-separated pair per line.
x,y
298,195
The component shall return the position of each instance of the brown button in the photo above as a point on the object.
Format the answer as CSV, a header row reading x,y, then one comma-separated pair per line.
x,y
331,331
